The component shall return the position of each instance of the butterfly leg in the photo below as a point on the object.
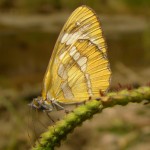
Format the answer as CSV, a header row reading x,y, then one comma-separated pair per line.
x,y
57,106
50,117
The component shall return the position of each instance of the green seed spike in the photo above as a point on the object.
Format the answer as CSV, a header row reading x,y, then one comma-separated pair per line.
x,y
53,137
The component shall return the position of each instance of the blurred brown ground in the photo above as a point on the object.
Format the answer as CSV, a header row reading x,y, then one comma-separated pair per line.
x,y
28,32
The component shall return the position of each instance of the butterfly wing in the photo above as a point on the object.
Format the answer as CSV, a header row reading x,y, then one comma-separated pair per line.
x,y
78,68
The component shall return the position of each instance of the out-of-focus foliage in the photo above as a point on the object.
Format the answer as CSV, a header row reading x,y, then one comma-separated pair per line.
x,y
46,6
28,31
138,3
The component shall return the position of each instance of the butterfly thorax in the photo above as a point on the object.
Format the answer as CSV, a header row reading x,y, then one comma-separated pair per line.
x,y
41,104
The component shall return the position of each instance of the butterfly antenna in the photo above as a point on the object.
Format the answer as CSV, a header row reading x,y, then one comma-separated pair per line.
x,y
34,130
28,124
50,117
37,117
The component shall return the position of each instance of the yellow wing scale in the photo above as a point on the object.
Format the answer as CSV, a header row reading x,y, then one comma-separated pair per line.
x,y
78,68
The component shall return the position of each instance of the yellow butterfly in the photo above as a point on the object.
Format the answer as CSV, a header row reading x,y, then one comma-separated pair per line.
x,y
78,68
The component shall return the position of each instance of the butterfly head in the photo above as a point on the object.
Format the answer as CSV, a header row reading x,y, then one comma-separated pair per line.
x,y
40,104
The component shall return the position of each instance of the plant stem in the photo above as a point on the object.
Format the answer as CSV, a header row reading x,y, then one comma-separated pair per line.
x,y
55,134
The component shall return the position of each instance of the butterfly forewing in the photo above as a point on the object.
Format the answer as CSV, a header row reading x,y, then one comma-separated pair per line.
x,y
78,68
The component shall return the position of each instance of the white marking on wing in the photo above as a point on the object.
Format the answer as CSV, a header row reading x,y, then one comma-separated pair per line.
x,y
84,36
73,51
95,42
62,55
66,90
76,56
64,38
85,27
90,92
87,76
73,38
62,72
83,68
70,38
82,61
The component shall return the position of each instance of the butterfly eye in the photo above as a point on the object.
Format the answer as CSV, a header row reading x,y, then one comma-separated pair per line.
x,y
37,102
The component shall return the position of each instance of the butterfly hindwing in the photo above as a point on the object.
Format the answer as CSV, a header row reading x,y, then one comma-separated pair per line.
x,y
78,68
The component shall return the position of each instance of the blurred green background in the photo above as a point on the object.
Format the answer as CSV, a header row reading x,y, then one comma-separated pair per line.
x,y
28,31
